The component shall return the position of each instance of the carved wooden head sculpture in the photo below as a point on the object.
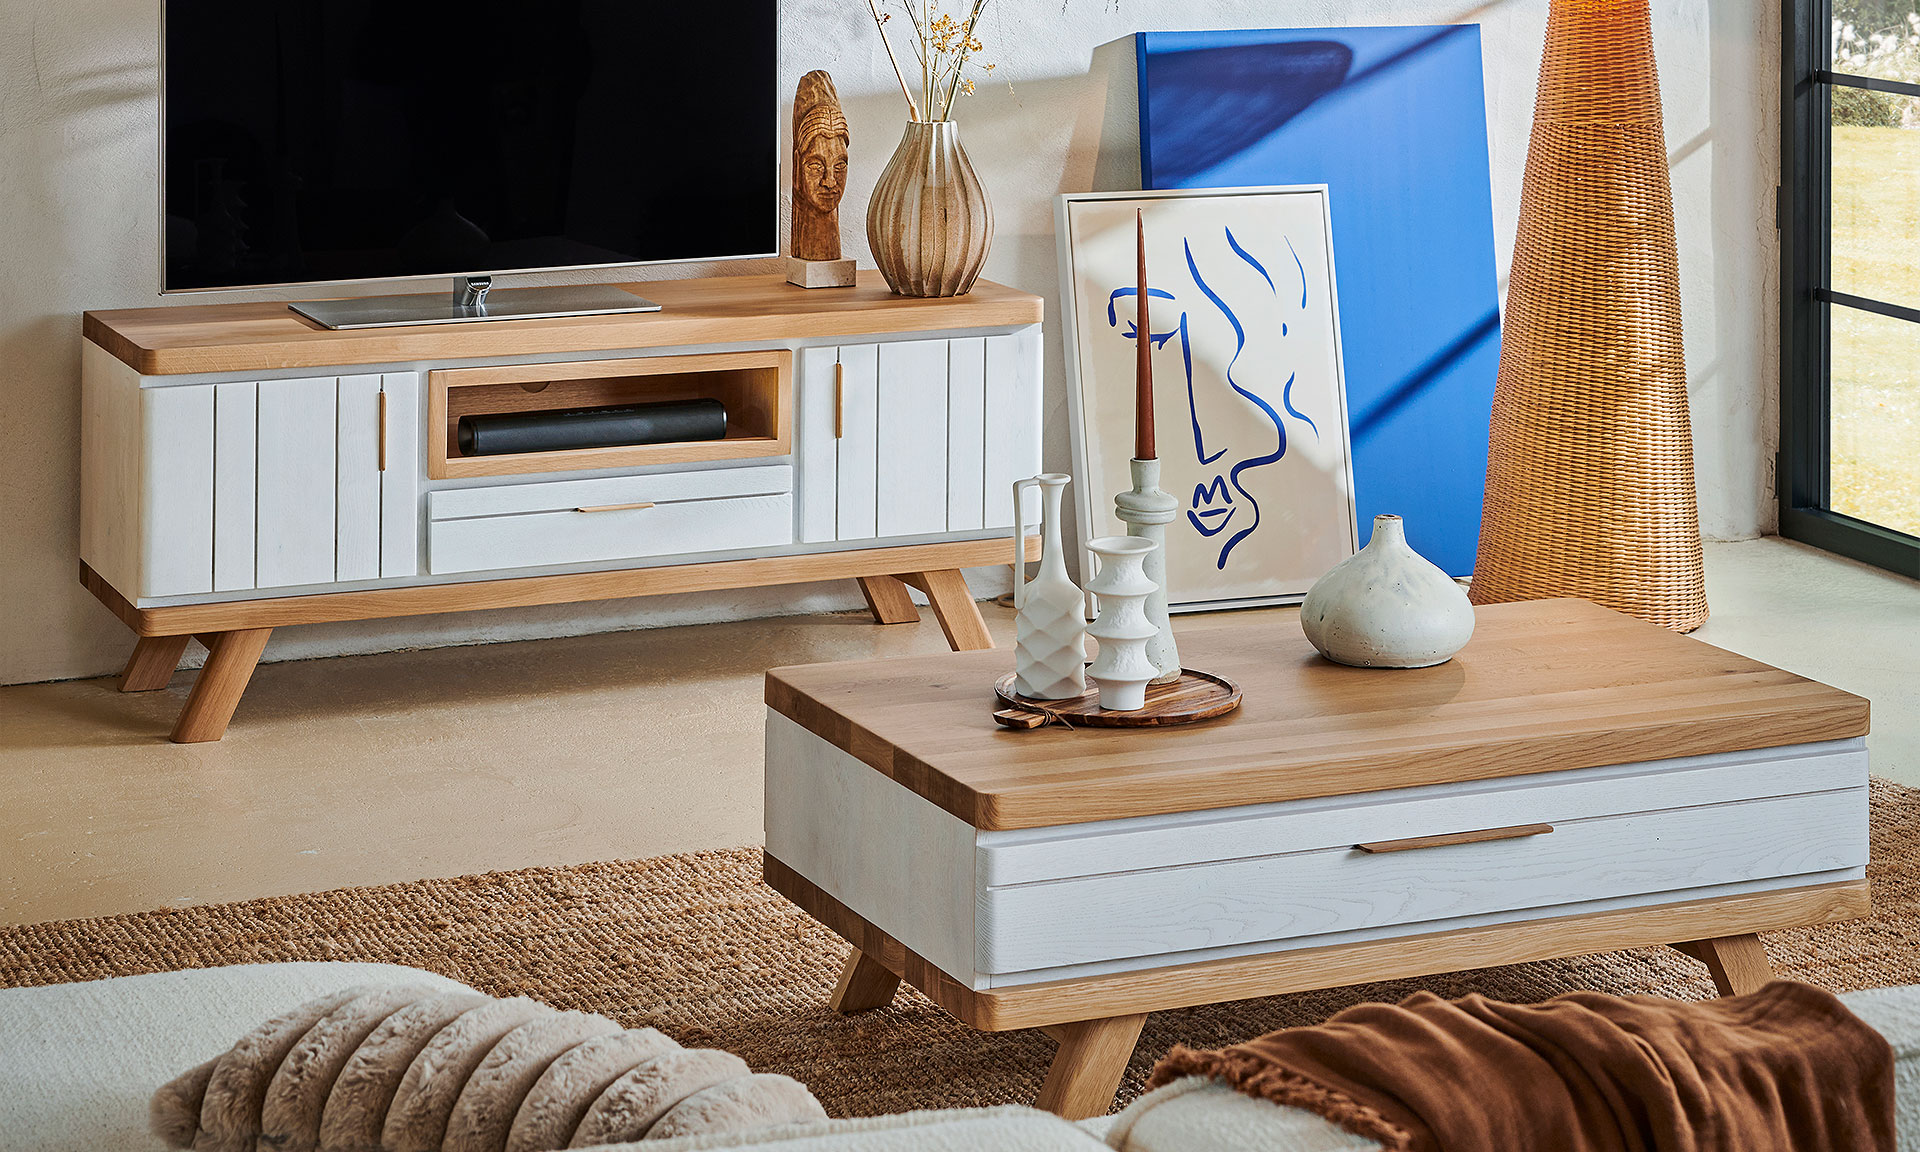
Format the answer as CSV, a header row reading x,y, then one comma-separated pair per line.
x,y
820,139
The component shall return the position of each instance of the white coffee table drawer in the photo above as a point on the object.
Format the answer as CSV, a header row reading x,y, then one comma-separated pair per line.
x,y
1299,895
610,518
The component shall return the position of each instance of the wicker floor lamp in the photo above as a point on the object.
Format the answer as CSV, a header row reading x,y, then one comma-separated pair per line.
x,y
1590,488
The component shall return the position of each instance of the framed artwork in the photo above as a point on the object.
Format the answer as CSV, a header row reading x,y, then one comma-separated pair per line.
x,y
1250,411
1394,122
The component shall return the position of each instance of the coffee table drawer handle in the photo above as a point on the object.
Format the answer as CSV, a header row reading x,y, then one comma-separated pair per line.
x,y
634,507
1514,833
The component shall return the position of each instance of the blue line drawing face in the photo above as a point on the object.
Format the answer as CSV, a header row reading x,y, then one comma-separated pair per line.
x,y
1232,285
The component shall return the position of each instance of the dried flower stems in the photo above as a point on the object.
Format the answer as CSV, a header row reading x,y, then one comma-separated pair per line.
x,y
944,47
878,22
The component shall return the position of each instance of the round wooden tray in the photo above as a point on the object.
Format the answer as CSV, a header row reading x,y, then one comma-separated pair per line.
x,y
1196,696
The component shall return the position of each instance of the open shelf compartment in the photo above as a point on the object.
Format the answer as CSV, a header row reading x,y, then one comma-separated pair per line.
x,y
756,387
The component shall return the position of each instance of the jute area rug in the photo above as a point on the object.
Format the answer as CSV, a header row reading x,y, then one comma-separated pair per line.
x,y
695,945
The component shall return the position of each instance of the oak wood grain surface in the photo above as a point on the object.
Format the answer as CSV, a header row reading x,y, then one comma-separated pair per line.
x,y
266,336
1544,686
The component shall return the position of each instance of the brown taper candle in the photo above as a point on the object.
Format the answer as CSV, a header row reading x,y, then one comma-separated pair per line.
x,y
1143,448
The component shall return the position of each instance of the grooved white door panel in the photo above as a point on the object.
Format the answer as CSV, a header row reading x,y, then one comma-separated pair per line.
x,y
357,480
1014,409
400,481
536,539
1152,913
176,554
911,496
233,484
966,433
295,493
816,450
1110,846
859,442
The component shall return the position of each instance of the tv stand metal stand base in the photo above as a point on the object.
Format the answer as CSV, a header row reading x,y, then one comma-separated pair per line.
x,y
473,301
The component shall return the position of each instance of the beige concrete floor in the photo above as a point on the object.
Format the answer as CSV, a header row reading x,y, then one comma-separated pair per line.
x,y
372,769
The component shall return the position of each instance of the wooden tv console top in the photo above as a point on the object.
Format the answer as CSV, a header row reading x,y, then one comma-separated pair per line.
x,y
268,336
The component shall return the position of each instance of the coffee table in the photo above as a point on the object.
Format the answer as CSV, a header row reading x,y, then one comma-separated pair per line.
x,y
1575,781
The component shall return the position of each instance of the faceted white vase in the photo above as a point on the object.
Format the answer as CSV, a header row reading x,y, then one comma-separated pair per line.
x,y
1049,633
1387,607
1122,667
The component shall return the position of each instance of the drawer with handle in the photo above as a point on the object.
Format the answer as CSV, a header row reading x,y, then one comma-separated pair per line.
x,y
1129,889
610,518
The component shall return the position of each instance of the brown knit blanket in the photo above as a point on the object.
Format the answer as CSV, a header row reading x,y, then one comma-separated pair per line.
x,y
1786,1068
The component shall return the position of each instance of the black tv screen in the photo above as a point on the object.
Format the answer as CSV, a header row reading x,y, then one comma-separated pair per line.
x,y
322,140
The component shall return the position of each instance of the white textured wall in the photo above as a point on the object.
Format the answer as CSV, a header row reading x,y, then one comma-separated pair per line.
x,y
78,219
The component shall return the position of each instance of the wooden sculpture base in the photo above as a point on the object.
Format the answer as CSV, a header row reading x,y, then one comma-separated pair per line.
x,y
1196,696
821,273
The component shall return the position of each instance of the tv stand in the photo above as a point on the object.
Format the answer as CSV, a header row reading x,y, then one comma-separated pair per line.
x,y
244,471
473,300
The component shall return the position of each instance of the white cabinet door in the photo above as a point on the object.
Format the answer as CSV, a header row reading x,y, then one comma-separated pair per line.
x,y
916,437
295,487
315,481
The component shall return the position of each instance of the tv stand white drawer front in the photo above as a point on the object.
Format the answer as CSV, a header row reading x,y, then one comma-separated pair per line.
x,y
611,518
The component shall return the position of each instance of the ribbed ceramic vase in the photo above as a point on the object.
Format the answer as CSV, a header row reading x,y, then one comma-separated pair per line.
x,y
1387,606
1122,668
1590,486
929,222
1050,628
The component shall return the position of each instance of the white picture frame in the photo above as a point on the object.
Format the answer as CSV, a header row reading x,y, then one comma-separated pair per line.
x,y
1251,424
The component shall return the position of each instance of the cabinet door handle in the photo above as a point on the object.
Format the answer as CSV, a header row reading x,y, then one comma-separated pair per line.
x,y
1514,833
383,431
614,507
839,400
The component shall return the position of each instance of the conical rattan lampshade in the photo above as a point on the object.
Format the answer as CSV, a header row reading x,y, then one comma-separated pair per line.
x,y
1590,488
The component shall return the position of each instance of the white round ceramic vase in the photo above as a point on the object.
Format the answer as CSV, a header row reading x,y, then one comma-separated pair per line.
x,y
1387,607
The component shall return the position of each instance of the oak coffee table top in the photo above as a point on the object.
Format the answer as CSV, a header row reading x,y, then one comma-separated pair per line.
x,y
1573,781
1544,686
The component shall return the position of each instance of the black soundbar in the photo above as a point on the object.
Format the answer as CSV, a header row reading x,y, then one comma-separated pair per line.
x,y
511,433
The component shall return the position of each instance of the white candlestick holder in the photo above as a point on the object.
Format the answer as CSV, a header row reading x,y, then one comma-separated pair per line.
x,y
1122,668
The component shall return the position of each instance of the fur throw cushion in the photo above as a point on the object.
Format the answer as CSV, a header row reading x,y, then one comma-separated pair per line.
x,y
411,1069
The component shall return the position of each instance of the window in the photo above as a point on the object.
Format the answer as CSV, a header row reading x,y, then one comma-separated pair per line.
x,y
1850,279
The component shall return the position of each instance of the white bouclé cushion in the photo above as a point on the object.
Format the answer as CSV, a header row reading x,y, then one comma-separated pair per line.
x,y
80,1062
1004,1129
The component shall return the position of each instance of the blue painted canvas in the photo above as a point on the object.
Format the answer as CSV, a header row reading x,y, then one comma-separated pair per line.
x,y
1393,121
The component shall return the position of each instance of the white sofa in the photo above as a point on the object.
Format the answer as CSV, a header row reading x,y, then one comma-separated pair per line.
x,y
78,1063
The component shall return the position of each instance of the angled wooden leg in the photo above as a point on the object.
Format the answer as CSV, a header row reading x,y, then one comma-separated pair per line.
x,y
865,984
888,600
1086,1072
959,616
152,663
1738,963
230,663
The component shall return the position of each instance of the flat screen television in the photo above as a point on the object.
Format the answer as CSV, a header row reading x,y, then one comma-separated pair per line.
x,y
320,141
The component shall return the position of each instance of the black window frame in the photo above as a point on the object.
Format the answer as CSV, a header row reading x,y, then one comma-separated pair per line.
x,y
1807,301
